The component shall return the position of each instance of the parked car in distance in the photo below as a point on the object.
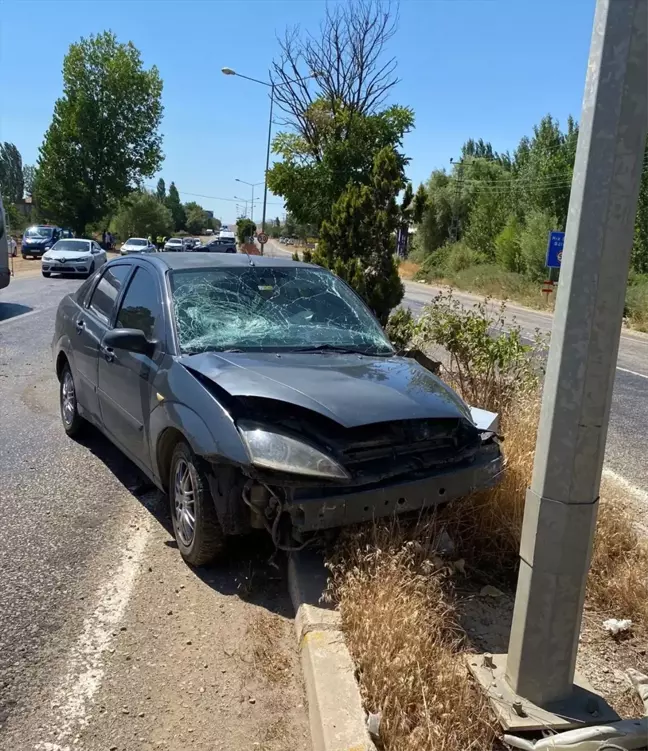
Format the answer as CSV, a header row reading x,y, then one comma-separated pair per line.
x,y
137,245
37,239
220,245
73,256
261,394
175,245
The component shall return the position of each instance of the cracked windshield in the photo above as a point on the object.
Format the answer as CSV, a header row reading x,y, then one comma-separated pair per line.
x,y
297,452
271,309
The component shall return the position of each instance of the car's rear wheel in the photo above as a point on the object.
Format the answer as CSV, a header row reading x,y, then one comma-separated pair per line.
x,y
46,274
72,421
195,524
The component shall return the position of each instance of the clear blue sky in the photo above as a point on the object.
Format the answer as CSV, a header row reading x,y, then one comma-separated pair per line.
x,y
469,68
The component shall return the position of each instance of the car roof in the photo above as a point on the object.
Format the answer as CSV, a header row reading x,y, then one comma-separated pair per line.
x,y
75,240
178,261
143,239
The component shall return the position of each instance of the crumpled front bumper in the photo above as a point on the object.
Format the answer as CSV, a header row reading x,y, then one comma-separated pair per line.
x,y
310,511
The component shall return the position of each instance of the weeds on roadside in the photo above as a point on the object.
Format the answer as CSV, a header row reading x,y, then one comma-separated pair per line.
x,y
396,594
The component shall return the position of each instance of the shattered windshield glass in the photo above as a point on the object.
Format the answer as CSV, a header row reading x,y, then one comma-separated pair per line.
x,y
254,308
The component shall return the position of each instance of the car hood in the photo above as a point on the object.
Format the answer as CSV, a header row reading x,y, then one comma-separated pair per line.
x,y
352,390
68,255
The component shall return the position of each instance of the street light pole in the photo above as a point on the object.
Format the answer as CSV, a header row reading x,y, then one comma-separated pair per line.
x,y
271,85
267,166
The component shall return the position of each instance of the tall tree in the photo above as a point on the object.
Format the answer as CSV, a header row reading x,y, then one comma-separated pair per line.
x,y
104,136
177,209
332,86
160,191
11,172
29,174
358,242
141,214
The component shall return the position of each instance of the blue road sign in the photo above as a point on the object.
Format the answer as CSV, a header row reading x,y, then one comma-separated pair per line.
x,y
555,249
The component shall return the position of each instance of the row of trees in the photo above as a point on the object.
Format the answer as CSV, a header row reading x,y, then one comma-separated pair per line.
x,y
502,206
101,145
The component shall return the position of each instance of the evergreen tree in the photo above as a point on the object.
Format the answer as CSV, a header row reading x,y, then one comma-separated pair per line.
x,y
174,204
358,241
160,191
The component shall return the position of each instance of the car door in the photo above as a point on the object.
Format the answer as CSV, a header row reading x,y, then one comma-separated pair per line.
x,y
99,254
126,378
90,323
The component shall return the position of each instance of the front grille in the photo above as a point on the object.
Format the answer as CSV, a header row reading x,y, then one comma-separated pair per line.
x,y
408,446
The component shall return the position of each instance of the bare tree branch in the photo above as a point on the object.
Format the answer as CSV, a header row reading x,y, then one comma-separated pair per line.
x,y
348,57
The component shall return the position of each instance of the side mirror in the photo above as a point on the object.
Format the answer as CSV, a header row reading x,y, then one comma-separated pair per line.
x,y
132,340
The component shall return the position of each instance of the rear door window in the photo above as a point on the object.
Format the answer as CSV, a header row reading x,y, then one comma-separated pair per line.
x,y
141,307
107,290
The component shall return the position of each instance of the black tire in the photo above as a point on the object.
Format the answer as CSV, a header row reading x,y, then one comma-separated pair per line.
x,y
207,542
73,423
24,256
46,274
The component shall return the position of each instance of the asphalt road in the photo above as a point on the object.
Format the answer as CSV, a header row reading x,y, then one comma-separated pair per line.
x,y
626,450
107,640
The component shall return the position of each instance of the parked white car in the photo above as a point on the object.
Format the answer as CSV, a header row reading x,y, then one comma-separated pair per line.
x,y
176,245
137,245
73,256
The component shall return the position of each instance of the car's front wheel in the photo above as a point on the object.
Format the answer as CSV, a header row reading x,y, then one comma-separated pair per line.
x,y
72,420
195,524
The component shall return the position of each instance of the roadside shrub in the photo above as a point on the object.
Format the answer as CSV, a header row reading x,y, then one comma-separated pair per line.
x,y
533,243
487,362
637,305
508,253
401,328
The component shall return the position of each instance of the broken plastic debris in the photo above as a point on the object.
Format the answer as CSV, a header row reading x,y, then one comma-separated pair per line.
x,y
616,626
373,724
490,591
627,734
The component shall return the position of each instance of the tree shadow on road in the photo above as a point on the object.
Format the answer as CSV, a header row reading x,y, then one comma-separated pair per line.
x,y
251,568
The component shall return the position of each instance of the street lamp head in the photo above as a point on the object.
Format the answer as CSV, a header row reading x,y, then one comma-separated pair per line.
x,y
228,71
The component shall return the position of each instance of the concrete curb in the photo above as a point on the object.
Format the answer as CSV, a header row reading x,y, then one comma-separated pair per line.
x,y
336,715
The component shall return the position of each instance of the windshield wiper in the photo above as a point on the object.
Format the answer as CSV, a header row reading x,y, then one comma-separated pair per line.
x,y
341,349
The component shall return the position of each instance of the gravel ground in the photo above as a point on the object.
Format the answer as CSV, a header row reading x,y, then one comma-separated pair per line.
x,y
89,576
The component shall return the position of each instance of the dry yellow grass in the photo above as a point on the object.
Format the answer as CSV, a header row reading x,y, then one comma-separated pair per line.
x,y
408,269
398,607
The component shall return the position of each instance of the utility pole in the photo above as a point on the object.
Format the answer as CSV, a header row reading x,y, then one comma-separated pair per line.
x,y
562,502
455,222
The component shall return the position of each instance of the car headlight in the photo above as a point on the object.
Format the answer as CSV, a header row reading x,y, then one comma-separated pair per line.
x,y
274,450
47,258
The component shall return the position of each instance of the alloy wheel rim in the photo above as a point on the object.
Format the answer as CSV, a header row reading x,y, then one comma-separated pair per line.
x,y
68,398
184,503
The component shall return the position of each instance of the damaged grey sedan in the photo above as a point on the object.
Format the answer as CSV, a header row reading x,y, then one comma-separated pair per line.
x,y
261,393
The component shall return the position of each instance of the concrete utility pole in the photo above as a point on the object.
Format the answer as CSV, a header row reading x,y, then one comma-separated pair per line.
x,y
562,502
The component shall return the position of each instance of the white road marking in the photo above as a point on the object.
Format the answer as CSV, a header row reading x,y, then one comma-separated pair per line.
x,y
85,663
632,372
638,493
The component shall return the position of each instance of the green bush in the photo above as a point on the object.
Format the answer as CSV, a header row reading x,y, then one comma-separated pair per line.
x,y
488,363
508,253
401,328
637,305
533,244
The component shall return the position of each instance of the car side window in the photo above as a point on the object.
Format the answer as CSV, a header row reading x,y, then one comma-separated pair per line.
x,y
106,292
141,307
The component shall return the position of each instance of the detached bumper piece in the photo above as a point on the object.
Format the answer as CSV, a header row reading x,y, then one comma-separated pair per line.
x,y
310,511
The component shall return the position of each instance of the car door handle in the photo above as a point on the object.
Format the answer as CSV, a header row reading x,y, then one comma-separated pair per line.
x,y
108,353
79,324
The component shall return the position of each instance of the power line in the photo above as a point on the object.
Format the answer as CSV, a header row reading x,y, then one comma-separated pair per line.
x,y
212,198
